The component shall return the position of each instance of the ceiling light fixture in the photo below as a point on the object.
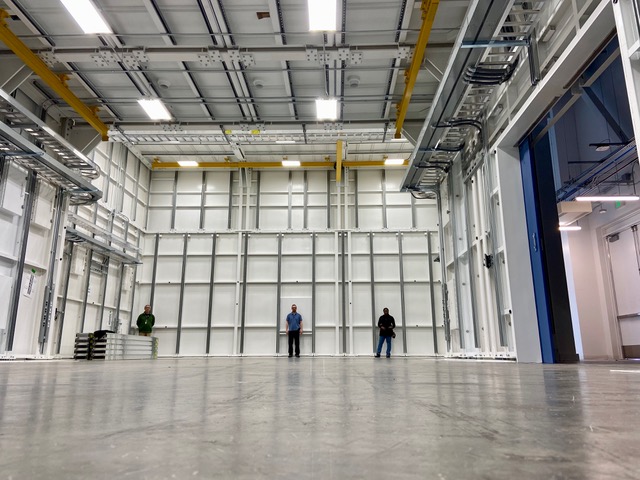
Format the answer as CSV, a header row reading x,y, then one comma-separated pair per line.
x,y
323,15
570,228
285,142
87,16
188,163
155,108
394,161
327,108
290,163
611,198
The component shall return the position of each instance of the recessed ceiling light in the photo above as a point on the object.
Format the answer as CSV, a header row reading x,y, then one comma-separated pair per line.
x,y
570,228
285,142
155,108
87,16
327,109
323,15
290,163
394,161
188,163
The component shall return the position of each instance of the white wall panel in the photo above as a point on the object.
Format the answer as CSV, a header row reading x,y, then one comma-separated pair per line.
x,y
188,220
196,306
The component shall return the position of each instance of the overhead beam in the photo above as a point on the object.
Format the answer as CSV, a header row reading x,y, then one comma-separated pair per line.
x,y
270,165
219,54
429,9
56,83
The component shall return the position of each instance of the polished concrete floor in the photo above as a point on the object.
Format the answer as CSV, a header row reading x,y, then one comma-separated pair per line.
x,y
320,418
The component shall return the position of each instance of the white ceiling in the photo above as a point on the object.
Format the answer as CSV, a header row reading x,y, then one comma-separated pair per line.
x,y
223,71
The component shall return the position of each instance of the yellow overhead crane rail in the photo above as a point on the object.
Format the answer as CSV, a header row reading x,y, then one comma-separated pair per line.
x,y
429,9
158,165
58,84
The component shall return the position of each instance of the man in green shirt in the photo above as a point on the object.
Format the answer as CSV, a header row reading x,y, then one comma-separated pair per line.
x,y
146,321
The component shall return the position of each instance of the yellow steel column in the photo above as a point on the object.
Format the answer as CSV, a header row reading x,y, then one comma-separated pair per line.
x,y
58,84
339,155
429,9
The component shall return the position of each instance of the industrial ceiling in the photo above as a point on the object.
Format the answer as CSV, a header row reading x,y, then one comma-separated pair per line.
x,y
240,78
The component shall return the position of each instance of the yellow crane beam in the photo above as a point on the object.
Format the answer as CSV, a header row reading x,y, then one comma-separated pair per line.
x,y
429,9
57,84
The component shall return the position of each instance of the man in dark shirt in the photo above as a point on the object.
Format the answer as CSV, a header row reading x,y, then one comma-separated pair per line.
x,y
386,323
145,322
294,330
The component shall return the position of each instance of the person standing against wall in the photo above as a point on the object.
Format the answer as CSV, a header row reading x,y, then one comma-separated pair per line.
x,y
145,322
294,330
386,323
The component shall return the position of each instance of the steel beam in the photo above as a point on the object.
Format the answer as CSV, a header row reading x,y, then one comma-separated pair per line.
x,y
443,274
50,288
183,277
230,208
55,82
87,282
65,293
105,265
339,160
432,292
429,9
279,293
214,238
243,305
16,290
402,297
154,271
313,292
373,291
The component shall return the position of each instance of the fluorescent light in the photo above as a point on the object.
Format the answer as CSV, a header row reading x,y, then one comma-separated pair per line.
x,y
611,198
285,142
327,109
290,163
323,15
398,140
187,163
394,161
87,16
570,228
155,108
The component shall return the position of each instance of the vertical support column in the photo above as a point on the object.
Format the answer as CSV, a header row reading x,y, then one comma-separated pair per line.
x,y
290,200
183,278
374,325
384,199
305,204
257,225
456,259
313,293
50,288
356,200
65,292
336,286
443,273
350,289
328,199
243,306
432,292
136,184
214,238
133,288
470,259
203,199
155,270
414,216
174,201
103,295
87,281
22,255
230,209
279,293
402,299
343,269
236,310
116,321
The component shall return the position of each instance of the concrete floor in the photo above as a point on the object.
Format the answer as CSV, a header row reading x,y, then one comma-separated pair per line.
x,y
322,418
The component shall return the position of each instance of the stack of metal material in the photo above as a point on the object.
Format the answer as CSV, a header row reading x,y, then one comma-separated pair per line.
x,y
114,346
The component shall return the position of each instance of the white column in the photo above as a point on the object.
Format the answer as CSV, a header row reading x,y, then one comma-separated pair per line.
x,y
519,278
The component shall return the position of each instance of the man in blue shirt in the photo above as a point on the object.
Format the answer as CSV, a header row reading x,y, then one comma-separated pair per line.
x,y
294,330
